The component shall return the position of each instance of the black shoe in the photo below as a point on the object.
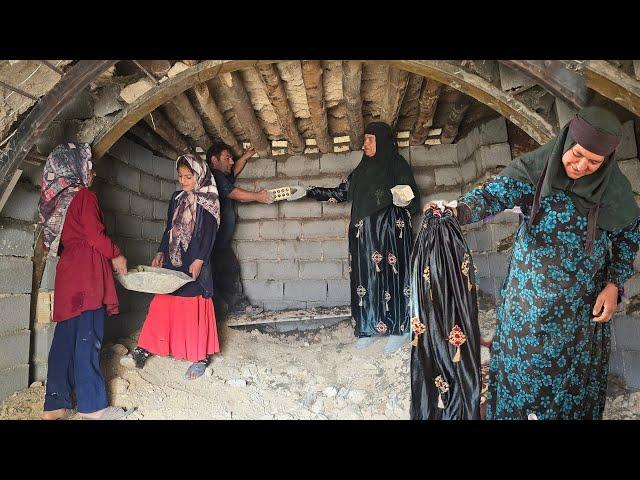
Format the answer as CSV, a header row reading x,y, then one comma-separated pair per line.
x,y
140,356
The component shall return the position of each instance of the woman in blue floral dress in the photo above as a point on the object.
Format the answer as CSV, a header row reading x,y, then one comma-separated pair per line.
x,y
571,256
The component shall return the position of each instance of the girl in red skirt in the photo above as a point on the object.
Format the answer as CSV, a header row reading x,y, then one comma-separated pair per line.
x,y
183,324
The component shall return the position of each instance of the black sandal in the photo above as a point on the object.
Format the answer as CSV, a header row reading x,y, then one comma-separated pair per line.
x,y
140,356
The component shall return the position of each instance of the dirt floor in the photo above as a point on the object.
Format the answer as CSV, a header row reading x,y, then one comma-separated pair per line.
x,y
311,374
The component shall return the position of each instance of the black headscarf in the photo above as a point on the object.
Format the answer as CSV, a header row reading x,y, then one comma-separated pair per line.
x,y
604,196
372,180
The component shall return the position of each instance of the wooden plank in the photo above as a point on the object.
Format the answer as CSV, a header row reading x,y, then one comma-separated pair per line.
x,y
428,102
156,96
351,83
312,78
613,84
277,96
477,87
289,317
230,84
44,111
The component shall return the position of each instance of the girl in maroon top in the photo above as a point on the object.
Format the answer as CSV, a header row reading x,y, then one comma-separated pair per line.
x,y
84,289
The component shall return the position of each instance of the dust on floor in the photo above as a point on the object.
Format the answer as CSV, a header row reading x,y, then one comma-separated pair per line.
x,y
313,374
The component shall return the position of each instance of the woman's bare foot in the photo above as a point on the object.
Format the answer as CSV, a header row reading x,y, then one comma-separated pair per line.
x,y
56,414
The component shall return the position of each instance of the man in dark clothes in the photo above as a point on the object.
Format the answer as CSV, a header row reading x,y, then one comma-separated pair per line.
x,y
226,269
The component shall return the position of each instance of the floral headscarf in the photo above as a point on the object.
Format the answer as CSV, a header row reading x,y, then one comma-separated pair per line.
x,y
205,193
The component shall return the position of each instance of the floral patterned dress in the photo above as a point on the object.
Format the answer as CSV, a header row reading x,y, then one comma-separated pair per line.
x,y
549,358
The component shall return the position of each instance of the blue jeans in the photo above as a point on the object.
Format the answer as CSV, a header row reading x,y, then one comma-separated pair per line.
x,y
74,364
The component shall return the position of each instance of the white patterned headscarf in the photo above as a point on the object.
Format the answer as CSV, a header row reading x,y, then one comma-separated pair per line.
x,y
205,193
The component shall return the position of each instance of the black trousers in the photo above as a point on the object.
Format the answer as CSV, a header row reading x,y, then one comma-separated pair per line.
x,y
227,286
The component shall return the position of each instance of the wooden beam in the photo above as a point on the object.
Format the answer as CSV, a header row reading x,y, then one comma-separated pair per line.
x,y
207,107
186,120
43,113
156,96
456,113
410,107
396,88
351,82
477,87
161,125
278,97
312,78
208,125
153,140
613,84
553,76
439,70
428,102
230,84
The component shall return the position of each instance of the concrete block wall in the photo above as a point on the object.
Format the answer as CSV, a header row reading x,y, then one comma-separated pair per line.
x,y
293,254
133,187
17,229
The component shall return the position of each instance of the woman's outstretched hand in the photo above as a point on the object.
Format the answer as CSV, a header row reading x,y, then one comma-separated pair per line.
x,y
158,259
119,264
437,204
606,302
195,268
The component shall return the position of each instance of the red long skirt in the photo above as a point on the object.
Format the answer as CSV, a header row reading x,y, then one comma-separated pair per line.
x,y
182,327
